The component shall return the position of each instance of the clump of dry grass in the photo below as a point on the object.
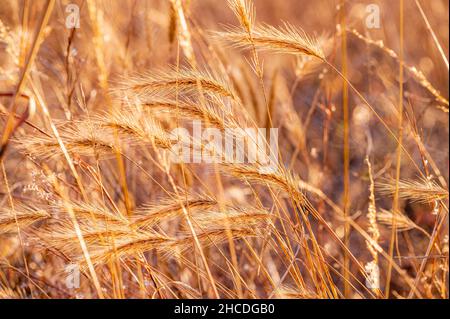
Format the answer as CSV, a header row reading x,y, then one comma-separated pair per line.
x,y
211,231
110,236
91,179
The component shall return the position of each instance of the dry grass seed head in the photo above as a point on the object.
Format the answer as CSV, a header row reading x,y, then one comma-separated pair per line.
x,y
423,191
150,215
290,292
245,12
22,217
97,235
132,245
186,109
287,39
172,81
134,127
235,219
281,178
90,212
372,215
402,222
78,137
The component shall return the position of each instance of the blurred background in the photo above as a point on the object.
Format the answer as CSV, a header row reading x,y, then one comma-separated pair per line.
x,y
137,37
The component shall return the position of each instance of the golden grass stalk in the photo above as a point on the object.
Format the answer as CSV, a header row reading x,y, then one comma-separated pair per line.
x,y
430,29
116,239
101,227
166,246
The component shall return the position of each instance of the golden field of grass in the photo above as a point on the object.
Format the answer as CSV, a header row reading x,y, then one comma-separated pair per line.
x,y
118,178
